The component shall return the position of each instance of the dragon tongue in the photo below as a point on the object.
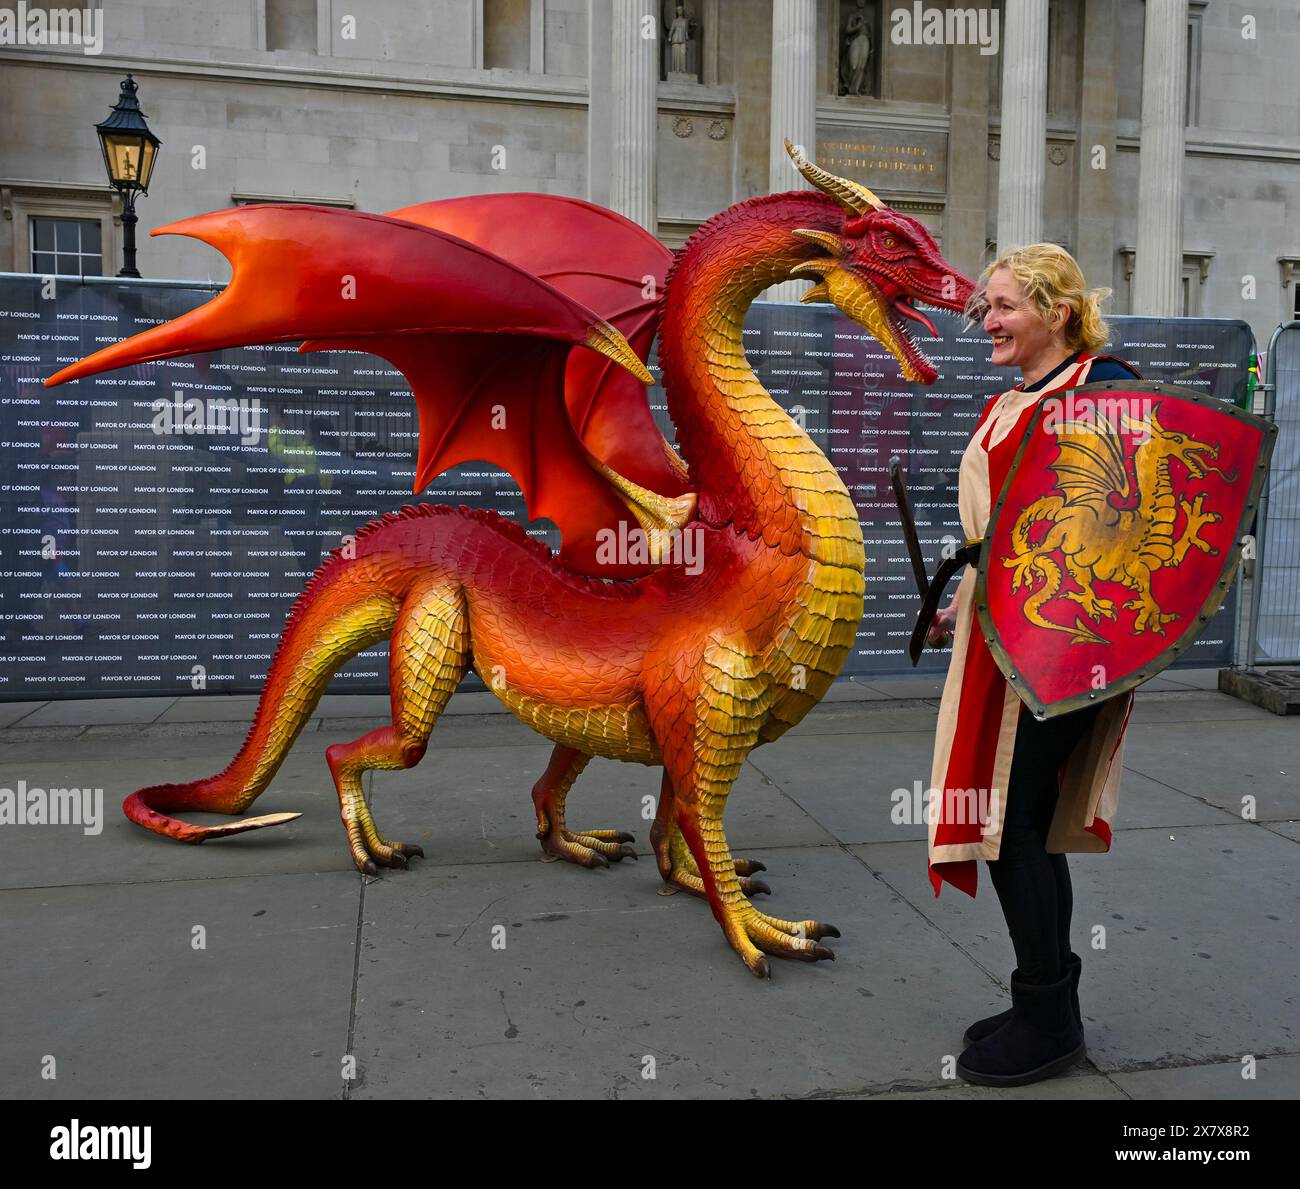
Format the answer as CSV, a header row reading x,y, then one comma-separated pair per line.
x,y
903,306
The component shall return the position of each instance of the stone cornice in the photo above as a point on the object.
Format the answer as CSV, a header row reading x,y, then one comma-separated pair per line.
x,y
1200,147
502,86
915,119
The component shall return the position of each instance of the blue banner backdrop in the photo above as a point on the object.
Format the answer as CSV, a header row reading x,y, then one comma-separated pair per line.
x,y
156,523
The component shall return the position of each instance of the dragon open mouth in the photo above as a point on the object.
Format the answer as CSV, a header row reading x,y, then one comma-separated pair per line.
x,y
887,320
915,363
878,304
1200,462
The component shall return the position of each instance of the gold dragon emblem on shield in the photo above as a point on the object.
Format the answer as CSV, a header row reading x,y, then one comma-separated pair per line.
x,y
1111,518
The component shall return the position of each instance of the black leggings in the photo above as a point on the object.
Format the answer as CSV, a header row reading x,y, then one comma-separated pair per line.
x,y
1033,886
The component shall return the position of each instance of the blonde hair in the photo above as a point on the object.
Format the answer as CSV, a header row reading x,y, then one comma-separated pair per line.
x,y
1049,275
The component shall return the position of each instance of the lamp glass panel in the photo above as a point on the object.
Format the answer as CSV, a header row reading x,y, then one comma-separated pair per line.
x,y
146,165
124,157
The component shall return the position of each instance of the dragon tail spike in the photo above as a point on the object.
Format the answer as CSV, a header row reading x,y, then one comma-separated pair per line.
x,y
330,623
146,808
1083,634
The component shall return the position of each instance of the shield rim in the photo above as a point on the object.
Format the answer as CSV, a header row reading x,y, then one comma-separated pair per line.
x,y
1232,557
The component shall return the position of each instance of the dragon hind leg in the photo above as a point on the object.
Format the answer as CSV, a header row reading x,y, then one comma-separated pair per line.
x,y
587,848
336,617
429,655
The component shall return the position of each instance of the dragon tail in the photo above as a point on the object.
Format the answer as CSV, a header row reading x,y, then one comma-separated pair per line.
x,y
1050,572
345,608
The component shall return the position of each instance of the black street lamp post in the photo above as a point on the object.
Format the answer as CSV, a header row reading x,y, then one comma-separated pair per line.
x,y
130,150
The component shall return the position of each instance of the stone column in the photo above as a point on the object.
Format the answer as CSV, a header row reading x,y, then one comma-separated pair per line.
x,y
1158,268
793,107
600,100
634,83
1024,124
965,216
1095,163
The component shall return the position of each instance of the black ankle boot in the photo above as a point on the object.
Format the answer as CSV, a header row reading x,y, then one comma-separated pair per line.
x,y
990,1024
1042,1037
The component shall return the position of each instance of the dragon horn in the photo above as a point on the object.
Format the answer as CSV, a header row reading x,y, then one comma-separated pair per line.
x,y
850,195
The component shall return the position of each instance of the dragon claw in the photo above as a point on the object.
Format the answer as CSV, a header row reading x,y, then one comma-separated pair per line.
x,y
588,848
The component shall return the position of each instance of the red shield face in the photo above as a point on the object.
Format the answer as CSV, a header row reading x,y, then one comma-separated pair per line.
x,y
1116,537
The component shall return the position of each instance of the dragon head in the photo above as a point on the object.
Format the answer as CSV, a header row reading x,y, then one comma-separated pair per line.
x,y
1197,456
877,264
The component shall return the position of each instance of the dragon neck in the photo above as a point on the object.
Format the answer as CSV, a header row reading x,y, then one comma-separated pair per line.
x,y
752,466
1154,481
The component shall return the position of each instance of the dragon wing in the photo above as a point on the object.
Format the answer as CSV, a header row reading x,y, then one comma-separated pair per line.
x,y
615,268
483,342
1091,466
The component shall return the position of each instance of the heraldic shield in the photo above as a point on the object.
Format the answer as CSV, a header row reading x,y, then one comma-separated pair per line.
x,y
1116,536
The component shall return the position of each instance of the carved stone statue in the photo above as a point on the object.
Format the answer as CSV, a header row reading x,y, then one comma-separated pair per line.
x,y
683,47
856,48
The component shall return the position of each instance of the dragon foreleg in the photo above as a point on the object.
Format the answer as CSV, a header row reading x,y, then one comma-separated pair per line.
x,y
1197,518
677,865
701,766
587,848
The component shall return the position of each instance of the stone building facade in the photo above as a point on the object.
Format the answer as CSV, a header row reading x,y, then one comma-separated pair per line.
x,y
670,111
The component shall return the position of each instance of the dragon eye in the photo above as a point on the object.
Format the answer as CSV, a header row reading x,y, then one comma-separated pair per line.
x,y
890,242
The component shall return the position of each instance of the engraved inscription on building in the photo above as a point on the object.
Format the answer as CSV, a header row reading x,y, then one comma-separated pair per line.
x,y
892,159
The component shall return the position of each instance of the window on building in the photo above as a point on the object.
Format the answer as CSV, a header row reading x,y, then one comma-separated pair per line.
x,y
1296,304
68,247
291,25
507,34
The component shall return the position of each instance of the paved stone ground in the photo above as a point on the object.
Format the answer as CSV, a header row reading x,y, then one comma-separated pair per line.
x,y
306,962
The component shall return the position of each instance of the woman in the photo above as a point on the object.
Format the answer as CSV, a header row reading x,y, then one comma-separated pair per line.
x,y
1061,777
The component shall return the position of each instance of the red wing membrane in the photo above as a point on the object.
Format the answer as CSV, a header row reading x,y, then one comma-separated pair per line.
x,y
613,267
474,333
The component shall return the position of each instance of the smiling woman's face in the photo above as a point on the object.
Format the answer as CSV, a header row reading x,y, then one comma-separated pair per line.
x,y
1020,334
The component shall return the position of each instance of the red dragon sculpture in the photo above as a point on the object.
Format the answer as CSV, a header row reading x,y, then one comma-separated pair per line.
x,y
480,302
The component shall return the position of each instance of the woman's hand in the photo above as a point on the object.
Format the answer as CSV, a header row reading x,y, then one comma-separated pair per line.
x,y
943,626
